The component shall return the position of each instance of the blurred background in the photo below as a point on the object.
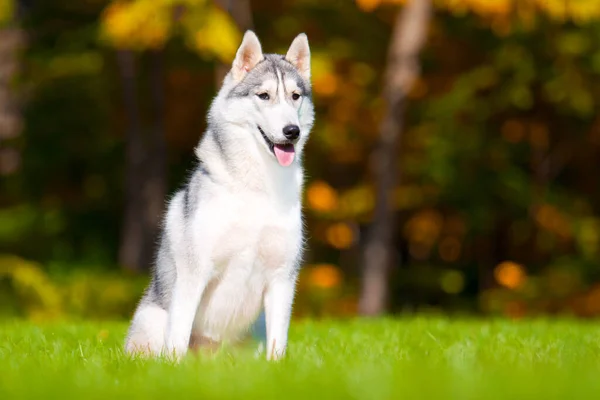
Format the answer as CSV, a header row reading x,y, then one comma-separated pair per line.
x,y
454,166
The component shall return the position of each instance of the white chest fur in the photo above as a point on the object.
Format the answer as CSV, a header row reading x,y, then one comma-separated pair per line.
x,y
254,238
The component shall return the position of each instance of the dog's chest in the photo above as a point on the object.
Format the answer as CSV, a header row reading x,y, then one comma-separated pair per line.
x,y
260,235
254,242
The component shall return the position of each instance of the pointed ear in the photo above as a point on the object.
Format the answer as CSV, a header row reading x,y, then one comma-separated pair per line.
x,y
299,55
248,55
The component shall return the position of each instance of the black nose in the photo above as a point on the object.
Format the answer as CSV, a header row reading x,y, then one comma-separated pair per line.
x,y
291,132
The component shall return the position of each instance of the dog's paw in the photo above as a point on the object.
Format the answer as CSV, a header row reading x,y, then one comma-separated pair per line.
x,y
174,353
275,353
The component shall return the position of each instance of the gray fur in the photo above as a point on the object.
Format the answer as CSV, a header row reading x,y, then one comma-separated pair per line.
x,y
268,68
159,290
192,189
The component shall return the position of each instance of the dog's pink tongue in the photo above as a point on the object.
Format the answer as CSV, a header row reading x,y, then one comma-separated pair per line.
x,y
284,153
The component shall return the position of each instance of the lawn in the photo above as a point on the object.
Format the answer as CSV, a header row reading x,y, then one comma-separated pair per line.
x,y
412,358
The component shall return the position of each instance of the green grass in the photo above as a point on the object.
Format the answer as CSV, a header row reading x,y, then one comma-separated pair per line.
x,y
418,358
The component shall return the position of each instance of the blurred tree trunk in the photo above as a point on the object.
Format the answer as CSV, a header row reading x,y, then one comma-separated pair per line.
x,y
11,42
241,13
408,37
145,165
132,235
156,184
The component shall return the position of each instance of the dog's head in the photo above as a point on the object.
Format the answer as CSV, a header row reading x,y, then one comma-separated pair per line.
x,y
270,95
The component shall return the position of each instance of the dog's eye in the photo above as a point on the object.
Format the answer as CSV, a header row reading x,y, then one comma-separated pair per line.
x,y
263,96
295,96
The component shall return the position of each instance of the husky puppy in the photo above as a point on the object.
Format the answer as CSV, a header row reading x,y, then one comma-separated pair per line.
x,y
232,238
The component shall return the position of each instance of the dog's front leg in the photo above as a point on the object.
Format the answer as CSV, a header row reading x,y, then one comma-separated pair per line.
x,y
182,311
279,296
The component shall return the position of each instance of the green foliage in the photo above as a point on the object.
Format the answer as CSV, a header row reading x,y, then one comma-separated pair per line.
x,y
150,24
6,11
498,161
28,292
26,288
377,359
493,143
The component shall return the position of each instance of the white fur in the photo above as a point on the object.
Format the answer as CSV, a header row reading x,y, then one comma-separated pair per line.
x,y
241,248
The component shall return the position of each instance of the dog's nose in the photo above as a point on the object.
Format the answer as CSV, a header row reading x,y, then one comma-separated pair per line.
x,y
291,132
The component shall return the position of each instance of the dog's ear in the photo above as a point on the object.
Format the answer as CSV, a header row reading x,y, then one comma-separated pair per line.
x,y
299,55
248,55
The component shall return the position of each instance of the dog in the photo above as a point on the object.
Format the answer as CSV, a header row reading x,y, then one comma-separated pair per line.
x,y
232,237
